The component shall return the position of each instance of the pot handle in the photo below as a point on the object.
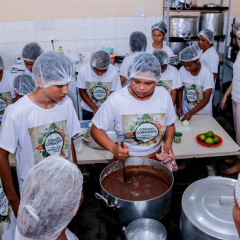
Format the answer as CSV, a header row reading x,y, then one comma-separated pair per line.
x,y
227,198
190,5
100,197
178,8
187,36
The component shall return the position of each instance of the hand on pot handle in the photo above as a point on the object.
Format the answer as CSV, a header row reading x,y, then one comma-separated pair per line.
x,y
121,153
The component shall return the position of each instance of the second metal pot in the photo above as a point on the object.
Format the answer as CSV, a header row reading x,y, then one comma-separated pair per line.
x,y
213,22
177,47
129,211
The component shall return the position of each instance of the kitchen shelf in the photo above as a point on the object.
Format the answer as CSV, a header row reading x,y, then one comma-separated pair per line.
x,y
178,39
209,9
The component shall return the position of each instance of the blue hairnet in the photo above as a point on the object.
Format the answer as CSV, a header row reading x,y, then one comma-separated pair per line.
x,y
145,66
1,63
32,51
138,41
100,60
189,54
162,56
208,34
24,84
53,68
161,26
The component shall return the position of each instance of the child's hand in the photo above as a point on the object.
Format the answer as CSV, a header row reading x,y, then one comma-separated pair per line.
x,y
179,111
121,153
187,116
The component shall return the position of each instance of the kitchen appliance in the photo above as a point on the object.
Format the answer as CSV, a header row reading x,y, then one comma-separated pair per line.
x,y
180,4
207,210
177,47
213,22
145,229
210,5
129,211
184,26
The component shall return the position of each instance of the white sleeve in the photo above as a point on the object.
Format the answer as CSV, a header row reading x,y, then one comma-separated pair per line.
x,y
213,63
176,83
105,116
81,79
10,134
208,81
124,69
180,78
171,114
116,82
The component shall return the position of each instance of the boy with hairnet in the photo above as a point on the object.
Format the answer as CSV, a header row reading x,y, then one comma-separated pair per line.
x,y
49,203
169,74
39,125
138,44
96,81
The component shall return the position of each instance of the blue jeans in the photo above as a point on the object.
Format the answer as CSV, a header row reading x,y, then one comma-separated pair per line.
x,y
86,115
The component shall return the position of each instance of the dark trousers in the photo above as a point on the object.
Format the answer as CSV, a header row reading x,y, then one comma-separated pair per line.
x,y
86,115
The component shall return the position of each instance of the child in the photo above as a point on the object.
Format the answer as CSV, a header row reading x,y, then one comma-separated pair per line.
x,y
38,125
96,81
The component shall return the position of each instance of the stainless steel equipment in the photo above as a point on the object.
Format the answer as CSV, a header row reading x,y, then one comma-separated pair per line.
x,y
129,211
187,4
184,26
207,210
210,5
145,229
213,22
177,47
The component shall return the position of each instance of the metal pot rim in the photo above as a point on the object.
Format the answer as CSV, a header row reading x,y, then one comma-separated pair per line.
x,y
152,199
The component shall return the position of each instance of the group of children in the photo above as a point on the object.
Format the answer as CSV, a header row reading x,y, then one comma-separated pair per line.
x,y
42,121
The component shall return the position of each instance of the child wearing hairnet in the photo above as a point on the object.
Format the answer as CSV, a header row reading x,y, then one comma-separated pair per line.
x,y
208,54
39,125
7,95
195,97
49,203
169,74
96,81
141,114
138,44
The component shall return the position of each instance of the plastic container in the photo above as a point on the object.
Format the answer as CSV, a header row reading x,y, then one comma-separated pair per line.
x,y
60,50
177,137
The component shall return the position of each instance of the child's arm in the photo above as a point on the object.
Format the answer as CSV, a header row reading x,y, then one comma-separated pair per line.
x,y
87,100
202,104
74,156
174,95
7,181
179,101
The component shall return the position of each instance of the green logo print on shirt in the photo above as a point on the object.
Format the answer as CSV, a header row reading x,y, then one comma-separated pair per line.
x,y
98,91
5,100
145,129
193,94
166,83
4,206
50,139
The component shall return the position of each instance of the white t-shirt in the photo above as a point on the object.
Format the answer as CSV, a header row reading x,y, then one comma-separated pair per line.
x,y
35,133
165,48
126,64
236,80
7,109
169,79
210,58
97,87
141,124
6,92
68,233
194,86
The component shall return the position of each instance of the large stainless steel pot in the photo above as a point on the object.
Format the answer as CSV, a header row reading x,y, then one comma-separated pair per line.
x,y
129,211
207,210
213,22
145,229
177,47
184,26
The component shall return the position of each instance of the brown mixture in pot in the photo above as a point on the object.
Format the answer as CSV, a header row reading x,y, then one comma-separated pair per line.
x,y
143,183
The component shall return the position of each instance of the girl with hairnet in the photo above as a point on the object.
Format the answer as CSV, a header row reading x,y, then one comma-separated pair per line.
x,y
159,31
96,81
169,74
234,89
141,113
49,203
208,54
195,97
137,43
39,125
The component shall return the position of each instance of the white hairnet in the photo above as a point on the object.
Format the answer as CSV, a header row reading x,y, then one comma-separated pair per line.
x,y
51,195
162,56
145,66
100,60
208,34
138,41
237,32
1,63
53,68
189,54
24,84
161,26
32,51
